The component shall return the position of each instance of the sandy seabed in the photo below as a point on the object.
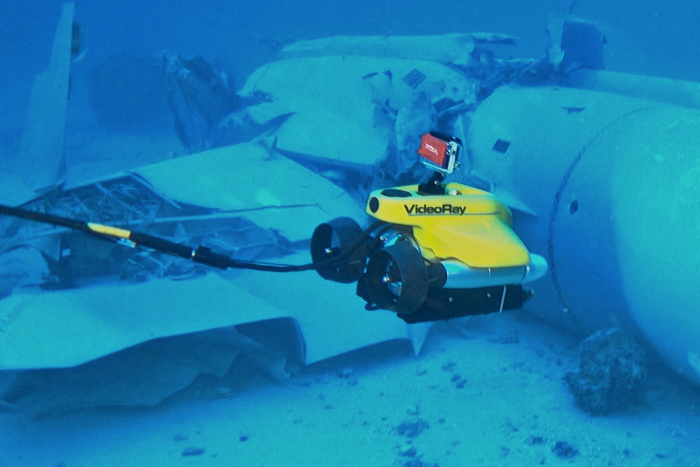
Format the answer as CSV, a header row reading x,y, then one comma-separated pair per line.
x,y
486,391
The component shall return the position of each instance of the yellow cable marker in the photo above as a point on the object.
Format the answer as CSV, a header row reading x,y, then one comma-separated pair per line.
x,y
108,230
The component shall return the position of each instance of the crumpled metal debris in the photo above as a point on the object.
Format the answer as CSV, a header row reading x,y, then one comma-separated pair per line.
x,y
21,267
44,256
575,45
200,97
449,48
144,375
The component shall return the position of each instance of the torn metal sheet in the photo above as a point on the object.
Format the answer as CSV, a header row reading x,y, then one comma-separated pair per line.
x,y
575,44
494,38
40,162
145,374
266,188
343,85
90,322
345,108
21,267
448,48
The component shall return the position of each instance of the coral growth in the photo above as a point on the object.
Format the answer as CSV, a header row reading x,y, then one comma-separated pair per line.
x,y
610,372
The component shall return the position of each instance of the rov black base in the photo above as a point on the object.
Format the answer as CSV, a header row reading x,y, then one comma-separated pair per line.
x,y
445,304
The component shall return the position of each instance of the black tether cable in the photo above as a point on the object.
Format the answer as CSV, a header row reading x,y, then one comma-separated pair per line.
x,y
202,255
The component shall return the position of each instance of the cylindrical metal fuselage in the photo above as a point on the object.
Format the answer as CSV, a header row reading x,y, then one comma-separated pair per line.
x,y
612,184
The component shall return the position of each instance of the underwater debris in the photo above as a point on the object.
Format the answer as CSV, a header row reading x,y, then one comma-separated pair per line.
x,y
192,451
412,457
564,450
348,374
610,373
417,462
534,440
55,258
412,428
200,98
21,267
408,451
145,375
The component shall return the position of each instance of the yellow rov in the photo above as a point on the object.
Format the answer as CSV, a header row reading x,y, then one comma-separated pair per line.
x,y
438,251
